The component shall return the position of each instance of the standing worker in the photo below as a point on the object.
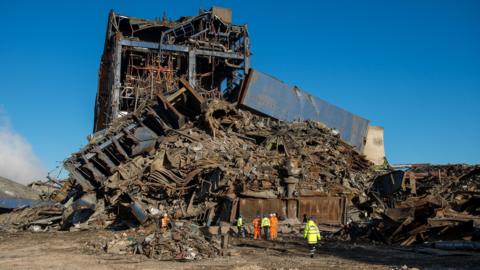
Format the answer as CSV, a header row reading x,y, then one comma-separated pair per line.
x,y
312,235
165,221
266,227
273,226
256,227
241,230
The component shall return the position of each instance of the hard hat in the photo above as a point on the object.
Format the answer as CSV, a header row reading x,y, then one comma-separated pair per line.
x,y
165,215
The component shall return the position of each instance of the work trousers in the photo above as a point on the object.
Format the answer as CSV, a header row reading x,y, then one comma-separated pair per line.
x,y
256,233
273,233
313,248
241,231
266,233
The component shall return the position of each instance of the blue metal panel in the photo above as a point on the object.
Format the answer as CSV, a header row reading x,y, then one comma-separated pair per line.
x,y
12,203
276,99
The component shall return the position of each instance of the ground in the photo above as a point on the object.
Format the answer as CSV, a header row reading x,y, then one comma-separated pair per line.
x,y
67,250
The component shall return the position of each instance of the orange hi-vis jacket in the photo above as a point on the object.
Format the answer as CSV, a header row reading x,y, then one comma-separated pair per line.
x,y
165,221
256,223
273,221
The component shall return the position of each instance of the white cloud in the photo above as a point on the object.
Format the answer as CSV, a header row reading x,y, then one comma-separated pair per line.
x,y
18,162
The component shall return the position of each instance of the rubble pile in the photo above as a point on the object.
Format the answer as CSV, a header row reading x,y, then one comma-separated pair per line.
x,y
183,241
36,219
176,132
427,204
198,171
185,128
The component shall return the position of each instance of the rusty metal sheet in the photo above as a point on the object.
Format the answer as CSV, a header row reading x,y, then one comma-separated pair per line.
x,y
249,208
292,208
225,14
324,210
270,96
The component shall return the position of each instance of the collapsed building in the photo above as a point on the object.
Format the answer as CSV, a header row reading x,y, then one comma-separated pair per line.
x,y
159,76
146,58
184,126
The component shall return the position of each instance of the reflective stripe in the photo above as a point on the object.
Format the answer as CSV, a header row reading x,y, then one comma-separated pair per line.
x,y
312,233
312,229
165,221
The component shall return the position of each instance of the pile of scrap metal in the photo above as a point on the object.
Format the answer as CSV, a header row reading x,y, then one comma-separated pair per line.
x,y
184,127
37,218
175,133
207,171
202,170
27,208
425,204
184,240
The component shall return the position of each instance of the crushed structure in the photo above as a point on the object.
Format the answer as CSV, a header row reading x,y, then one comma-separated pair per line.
x,y
426,204
185,127
145,58
230,160
170,81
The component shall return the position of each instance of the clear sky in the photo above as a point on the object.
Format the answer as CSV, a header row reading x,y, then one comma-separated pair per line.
x,y
412,67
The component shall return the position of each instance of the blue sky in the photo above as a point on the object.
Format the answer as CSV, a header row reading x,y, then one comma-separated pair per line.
x,y
410,66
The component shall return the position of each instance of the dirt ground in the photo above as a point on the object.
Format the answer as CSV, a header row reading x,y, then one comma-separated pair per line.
x,y
67,250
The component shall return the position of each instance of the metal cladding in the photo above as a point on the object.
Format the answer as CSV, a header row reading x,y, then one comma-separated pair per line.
x,y
12,203
14,195
329,210
272,97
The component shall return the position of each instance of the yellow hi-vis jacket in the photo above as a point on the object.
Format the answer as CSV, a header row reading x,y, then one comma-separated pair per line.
x,y
239,222
265,222
311,232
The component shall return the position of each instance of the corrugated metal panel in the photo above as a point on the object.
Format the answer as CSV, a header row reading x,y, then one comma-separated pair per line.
x,y
274,98
324,210
249,208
